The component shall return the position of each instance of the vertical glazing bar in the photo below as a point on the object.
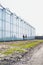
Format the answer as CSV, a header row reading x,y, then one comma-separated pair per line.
x,y
2,25
10,25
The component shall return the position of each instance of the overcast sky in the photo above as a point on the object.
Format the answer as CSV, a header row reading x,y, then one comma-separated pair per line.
x,y
29,10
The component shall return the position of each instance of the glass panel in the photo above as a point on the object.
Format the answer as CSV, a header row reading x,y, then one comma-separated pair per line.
x,y
4,14
11,34
7,17
0,25
4,25
0,14
3,34
7,34
17,29
0,33
17,20
14,28
11,27
14,20
7,26
11,18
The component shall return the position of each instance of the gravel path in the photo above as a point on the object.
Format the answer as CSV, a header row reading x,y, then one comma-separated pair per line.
x,y
36,59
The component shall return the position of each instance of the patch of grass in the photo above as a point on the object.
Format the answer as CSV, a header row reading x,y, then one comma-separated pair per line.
x,y
32,44
10,51
0,51
22,46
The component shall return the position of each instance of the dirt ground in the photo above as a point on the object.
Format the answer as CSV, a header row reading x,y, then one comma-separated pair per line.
x,y
33,57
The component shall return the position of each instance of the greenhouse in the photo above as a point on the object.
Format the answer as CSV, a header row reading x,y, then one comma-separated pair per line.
x,y
13,27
